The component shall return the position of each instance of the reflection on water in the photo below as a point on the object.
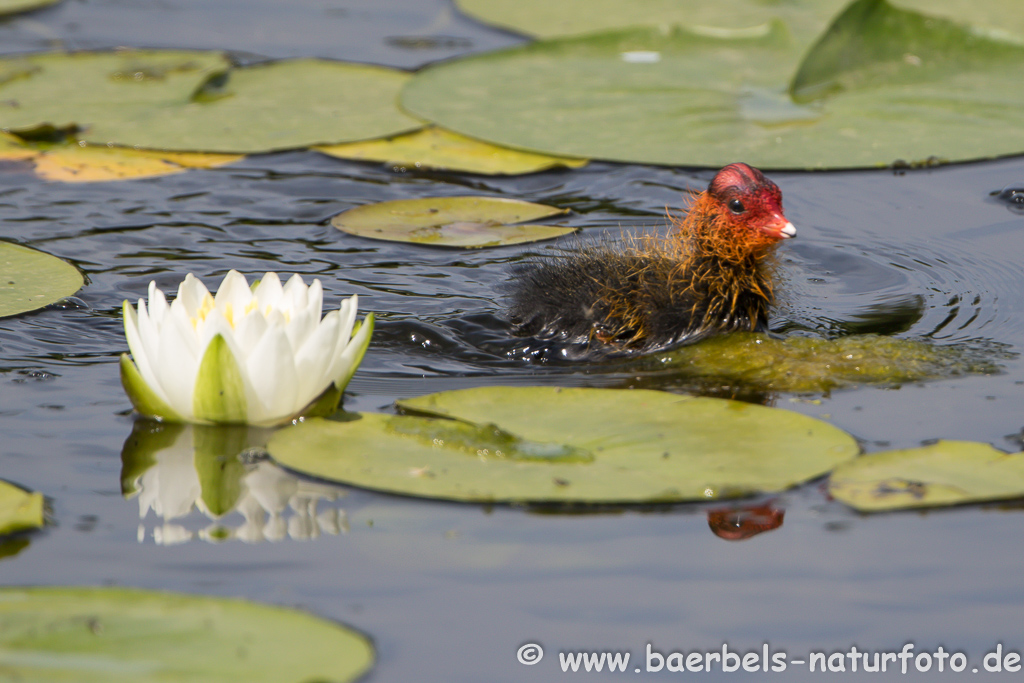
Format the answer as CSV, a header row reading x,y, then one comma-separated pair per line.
x,y
175,469
738,523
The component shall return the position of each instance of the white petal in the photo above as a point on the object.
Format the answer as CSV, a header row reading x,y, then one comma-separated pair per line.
x,y
191,293
176,366
268,291
248,332
271,367
342,368
157,304
233,296
300,326
140,354
316,355
315,294
295,293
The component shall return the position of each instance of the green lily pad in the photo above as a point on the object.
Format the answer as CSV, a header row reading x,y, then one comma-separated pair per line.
x,y
536,444
803,18
944,473
18,6
688,96
19,509
810,364
545,19
452,221
30,279
106,635
195,101
436,148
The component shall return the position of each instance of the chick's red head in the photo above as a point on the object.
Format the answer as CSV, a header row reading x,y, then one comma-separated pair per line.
x,y
750,202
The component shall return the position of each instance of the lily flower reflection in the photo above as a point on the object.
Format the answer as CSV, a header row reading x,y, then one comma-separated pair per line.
x,y
174,470
259,355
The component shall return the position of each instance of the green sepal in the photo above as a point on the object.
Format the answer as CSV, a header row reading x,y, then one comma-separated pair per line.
x,y
143,398
219,394
325,404
357,329
216,451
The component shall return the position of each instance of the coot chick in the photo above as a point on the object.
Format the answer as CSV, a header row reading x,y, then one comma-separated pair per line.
x,y
712,274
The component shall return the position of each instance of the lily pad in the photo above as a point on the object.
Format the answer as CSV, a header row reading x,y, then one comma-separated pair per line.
x,y
452,221
90,164
30,279
803,18
944,473
810,364
546,19
195,101
537,444
106,635
688,96
19,509
436,148
17,6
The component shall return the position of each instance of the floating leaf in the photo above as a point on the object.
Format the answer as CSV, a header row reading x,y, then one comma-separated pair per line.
x,y
809,364
437,148
194,101
99,91
804,19
683,96
108,635
17,6
539,444
78,164
30,279
944,473
546,19
19,510
451,221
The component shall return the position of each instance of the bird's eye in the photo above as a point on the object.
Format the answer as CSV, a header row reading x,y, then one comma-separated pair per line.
x,y
736,206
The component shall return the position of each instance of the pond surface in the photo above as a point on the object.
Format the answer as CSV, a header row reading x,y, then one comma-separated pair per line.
x,y
449,592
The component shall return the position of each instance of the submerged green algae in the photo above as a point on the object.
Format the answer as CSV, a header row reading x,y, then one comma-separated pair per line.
x,y
810,364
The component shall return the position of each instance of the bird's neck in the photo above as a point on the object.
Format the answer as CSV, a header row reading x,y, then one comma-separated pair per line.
x,y
731,271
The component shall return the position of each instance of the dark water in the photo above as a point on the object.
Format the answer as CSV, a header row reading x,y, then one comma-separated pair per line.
x,y
450,592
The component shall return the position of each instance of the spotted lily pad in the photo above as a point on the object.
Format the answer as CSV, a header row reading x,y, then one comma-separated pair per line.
x,y
195,101
30,279
437,148
944,473
684,95
508,444
452,221
810,364
19,509
108,635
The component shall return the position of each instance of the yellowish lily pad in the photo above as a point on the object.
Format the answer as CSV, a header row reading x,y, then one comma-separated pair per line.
x,y
19,509
31,279
811,364
89,164
536,444
110,635
436,148
452,221
944,473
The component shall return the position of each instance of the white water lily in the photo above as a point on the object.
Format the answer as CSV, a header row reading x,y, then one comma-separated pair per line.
x,y
261,356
